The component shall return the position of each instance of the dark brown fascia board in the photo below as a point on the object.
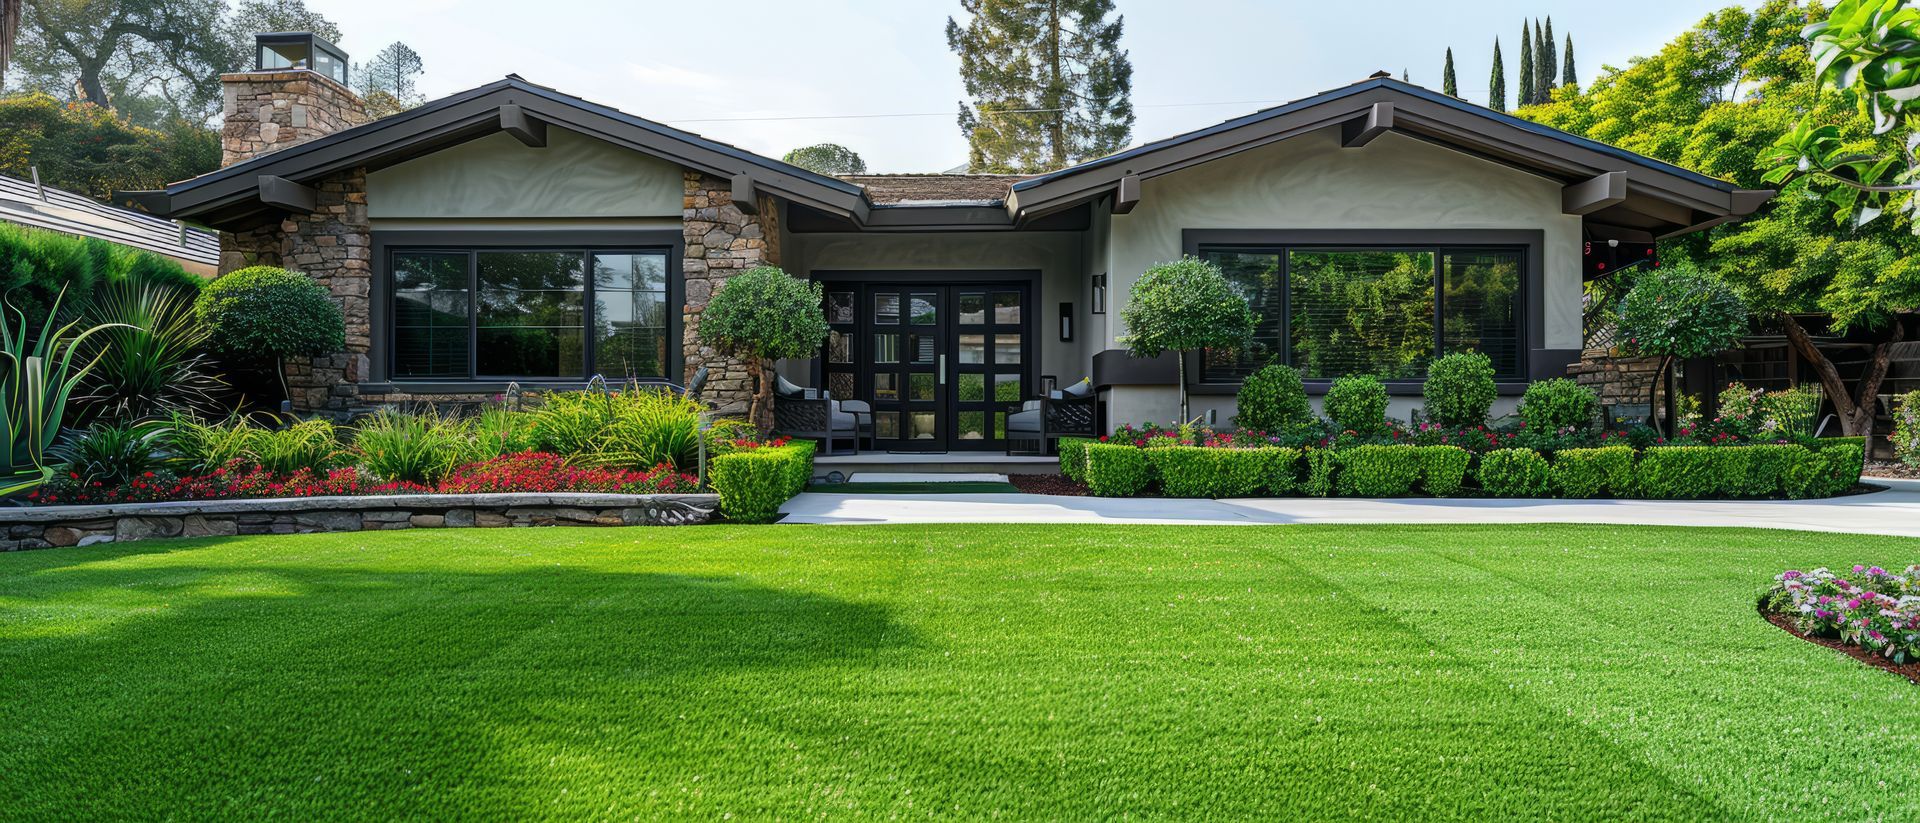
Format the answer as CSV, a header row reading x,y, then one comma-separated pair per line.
x,y
474,115
1362,130
1594,194
530,131
281,193
1464,131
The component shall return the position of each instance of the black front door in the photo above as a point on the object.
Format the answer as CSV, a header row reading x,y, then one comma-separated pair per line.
x,y
942,366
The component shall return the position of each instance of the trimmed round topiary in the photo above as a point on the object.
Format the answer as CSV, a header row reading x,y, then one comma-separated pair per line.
x,y
1357,404
1459,390
1552,405
271,313
1273,400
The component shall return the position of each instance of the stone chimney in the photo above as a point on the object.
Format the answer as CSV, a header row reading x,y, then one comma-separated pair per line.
x,y
277,108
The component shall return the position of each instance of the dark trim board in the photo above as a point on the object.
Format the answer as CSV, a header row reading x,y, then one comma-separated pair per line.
x,y
380,298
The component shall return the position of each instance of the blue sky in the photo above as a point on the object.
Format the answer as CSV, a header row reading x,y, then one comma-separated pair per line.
x,y
741,70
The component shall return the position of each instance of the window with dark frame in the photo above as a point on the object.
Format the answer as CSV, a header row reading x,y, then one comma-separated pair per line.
x,y
1333,311
510,314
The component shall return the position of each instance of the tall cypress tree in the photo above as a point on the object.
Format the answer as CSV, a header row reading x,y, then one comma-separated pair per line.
x,y
1525,97
1549,63
1567,74
1447,84
1049,83
1497,85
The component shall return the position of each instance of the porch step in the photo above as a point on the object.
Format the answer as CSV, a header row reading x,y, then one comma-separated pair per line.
x,y
953,463
926,477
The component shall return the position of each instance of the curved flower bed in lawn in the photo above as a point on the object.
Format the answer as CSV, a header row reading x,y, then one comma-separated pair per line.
x,y
1872,615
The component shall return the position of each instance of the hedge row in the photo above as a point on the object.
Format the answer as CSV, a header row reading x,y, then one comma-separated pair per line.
x,y
1826,468
752,484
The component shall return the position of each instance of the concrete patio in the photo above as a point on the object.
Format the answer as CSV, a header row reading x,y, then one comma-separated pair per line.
x,y
1895,511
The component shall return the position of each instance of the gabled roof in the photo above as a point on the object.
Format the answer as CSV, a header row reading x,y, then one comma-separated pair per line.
x,y
1618,190
230,197
944,189
45,207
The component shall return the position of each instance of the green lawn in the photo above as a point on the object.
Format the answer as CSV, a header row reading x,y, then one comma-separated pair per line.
x,y
1032,672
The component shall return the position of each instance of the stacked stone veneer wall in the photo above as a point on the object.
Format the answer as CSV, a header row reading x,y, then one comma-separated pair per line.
x,y
1615,378
265,111
55,526
721,241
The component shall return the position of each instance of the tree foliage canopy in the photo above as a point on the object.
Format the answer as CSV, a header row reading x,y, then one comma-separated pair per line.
x,y
89,150
1679,312
1049,83
1185,305
827,158
268,312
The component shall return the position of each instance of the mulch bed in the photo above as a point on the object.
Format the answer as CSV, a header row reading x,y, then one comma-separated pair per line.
x,y
1891,468
1909,670
1048,484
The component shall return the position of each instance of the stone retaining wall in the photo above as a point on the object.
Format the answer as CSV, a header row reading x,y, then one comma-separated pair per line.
x,y
50,526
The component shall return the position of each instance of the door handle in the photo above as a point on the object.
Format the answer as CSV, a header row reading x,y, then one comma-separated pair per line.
x,y
943,370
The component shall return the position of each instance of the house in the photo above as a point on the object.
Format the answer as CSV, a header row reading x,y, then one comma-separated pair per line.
x,y
29,203
514,233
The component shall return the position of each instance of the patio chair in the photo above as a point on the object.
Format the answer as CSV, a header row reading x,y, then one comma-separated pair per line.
x,y
1068,412
810,414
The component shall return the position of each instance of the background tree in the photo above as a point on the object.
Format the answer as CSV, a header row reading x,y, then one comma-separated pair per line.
x,y
1567,75
168,52
1545,62
1049,84
1525,97
1184,306
827,158
1677,312
763,314
1497,84
251,17
90,150
1722,99
389,83
1448,85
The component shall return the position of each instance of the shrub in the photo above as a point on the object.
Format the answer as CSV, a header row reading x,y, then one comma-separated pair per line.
x,y
1322,464
1514,473
1552,405
417,448
1791,412
312,445
1592,472
1732,468
271,313
727,432
1767,468
1832,466
1246,472
1117,471
1186,471
207,447
1459,389
1871,607
762,314
1073,457
752,484
201,446
497,432
112,454
1357,404
1906,429
1273,400
1378,471
34,389
1283,471
634,427
1443,469
148,357
1675,473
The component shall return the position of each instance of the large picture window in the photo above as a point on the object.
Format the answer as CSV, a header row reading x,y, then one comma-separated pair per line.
x,y
552,314
1388,312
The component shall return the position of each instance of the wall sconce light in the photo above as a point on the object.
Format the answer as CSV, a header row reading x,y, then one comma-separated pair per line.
x,y
1066,322
1099,294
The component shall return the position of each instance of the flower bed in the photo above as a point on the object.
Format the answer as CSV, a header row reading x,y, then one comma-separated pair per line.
x,y
1871,609
1247,465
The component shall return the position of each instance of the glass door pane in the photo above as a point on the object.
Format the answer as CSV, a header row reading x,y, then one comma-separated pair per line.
x,y
905,363
991,347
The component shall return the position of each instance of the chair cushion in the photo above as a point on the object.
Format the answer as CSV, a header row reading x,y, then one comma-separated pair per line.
x,y
1026,421
785,388
1084,388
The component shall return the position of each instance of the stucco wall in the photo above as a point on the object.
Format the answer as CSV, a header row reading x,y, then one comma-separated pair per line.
x,y
1310,182
1056,255
497,177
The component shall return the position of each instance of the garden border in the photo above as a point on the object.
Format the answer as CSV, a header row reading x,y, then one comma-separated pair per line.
x,y
58,526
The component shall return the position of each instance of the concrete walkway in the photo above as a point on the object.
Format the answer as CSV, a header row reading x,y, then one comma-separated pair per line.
x,y
1894,512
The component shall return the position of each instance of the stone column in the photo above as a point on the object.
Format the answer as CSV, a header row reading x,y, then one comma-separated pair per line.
x,y
721,241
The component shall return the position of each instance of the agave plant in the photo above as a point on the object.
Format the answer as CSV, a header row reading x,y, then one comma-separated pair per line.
x,y
37,377
150,359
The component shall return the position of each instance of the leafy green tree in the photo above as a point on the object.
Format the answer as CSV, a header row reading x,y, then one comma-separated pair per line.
x,y
107,50
1184,306
827,158
389,83
1049,83
89,150
1677,312
1497,85
251,17
763,314
1448,85
268,313
1527,65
